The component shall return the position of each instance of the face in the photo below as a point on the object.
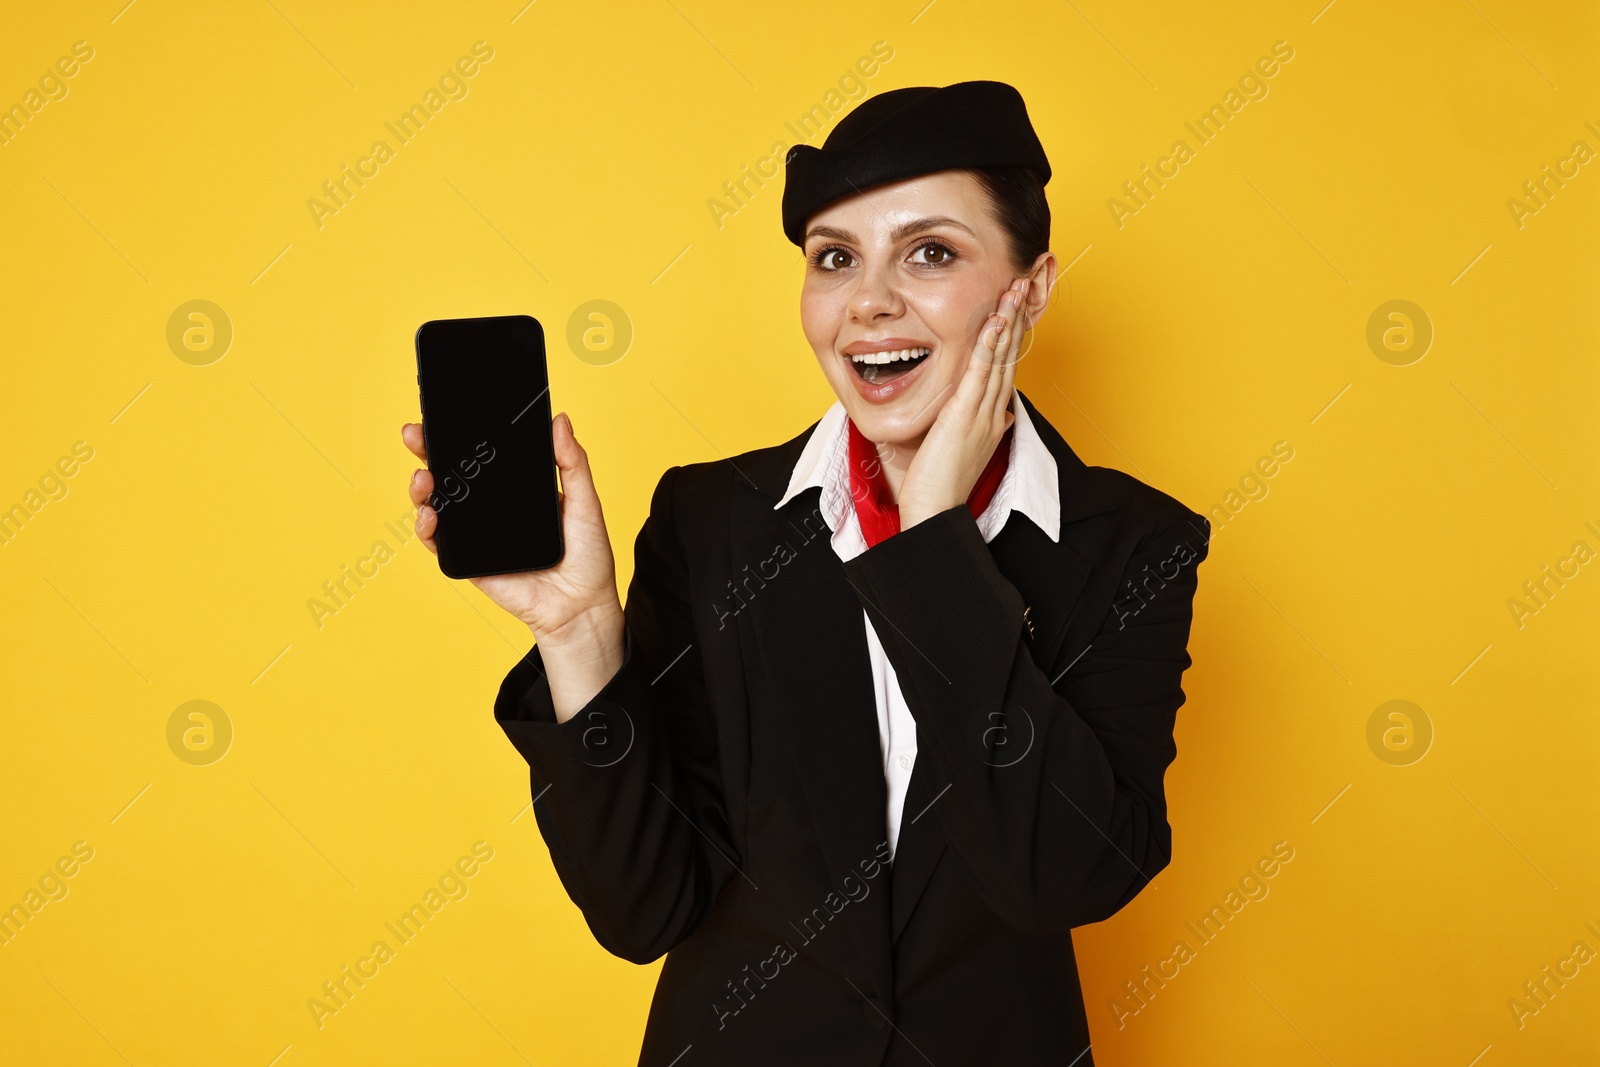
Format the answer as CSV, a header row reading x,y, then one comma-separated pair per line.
x,y
911,270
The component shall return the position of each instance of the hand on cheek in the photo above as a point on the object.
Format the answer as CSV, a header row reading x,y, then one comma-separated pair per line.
x,y
971,423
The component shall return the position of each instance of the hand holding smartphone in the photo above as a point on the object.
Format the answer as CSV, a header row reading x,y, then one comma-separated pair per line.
x,y
487,503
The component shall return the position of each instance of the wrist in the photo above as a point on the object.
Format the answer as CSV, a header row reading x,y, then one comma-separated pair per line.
x,y
591,629
581,656
913,512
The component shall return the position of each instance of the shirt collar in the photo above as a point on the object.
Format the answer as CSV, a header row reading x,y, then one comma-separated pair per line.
x,y
1031,484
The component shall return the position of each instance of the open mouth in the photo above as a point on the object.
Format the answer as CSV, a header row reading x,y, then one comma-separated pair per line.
x,y
876,368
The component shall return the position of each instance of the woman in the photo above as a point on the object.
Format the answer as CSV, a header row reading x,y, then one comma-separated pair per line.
x,y
889,708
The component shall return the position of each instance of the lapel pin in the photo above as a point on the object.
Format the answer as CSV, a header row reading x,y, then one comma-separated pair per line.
x,y
1027,620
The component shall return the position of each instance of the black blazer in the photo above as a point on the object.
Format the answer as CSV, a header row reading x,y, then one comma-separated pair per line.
x,y
722,799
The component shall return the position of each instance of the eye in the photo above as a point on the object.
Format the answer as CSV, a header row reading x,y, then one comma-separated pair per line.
x,y
932,254
832,258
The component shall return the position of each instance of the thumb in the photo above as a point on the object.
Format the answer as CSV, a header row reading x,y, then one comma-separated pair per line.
x,y
577,482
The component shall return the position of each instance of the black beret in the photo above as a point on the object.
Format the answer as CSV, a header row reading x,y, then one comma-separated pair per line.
x,y
905,133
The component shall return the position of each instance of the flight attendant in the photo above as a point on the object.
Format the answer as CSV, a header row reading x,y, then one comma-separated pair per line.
x,y
889,707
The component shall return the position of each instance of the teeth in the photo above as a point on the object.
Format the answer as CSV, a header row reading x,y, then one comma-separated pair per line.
x,y
891,357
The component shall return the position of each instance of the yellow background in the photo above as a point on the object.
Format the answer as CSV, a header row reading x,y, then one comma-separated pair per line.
x,y
1224,317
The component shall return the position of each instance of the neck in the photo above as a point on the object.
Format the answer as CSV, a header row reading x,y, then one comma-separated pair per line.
x,y
896,460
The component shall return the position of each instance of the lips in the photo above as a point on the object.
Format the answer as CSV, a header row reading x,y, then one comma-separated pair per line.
x,y
883,369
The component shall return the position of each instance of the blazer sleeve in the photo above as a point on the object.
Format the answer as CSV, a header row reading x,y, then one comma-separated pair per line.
x,y
627,793
1056,804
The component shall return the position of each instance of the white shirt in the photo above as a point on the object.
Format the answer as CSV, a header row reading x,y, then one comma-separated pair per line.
x,y
1029,486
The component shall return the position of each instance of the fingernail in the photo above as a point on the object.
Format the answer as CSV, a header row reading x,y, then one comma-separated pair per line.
x,y
416,474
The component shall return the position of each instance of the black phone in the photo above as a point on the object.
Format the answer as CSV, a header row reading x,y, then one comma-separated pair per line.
x,y
485,393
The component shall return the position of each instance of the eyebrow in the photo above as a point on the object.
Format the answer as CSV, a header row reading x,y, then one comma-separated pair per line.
x,y
900,233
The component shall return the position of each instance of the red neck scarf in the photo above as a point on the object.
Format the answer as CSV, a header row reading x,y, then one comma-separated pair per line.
x,y
869,489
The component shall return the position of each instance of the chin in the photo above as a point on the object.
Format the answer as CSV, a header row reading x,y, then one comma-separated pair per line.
x,y
895,410
901,422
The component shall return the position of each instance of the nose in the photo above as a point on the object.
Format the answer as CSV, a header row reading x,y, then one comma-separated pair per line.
x,y
876,296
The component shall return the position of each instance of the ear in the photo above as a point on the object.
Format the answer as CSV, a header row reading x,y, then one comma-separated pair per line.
x,y
1043,276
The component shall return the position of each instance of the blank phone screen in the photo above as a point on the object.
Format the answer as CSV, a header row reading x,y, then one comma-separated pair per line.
x,y
486,422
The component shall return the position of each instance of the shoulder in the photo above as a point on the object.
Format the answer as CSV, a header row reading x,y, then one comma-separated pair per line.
x,y
705,492
1138,510
1154,523
1141,503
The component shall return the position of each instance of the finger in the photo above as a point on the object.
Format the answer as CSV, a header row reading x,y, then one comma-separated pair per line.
x,y
411,434
577,479
1008,373
1007,390
1019,327
421,487
994,330
427,523
1021,323
991,412
986,351
1010,305
969,388
1011,311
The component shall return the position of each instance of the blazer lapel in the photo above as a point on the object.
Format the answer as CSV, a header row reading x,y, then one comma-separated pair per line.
x,y
920,848
811,637
1051,575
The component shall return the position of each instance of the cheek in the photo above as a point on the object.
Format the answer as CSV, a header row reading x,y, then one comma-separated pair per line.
x,y
952,365
956,307
821,312
954,316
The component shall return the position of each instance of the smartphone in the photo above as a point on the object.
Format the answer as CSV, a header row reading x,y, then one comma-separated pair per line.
x,y
485,392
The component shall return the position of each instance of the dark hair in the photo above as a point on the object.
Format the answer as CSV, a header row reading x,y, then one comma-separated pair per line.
x,y
1017,196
